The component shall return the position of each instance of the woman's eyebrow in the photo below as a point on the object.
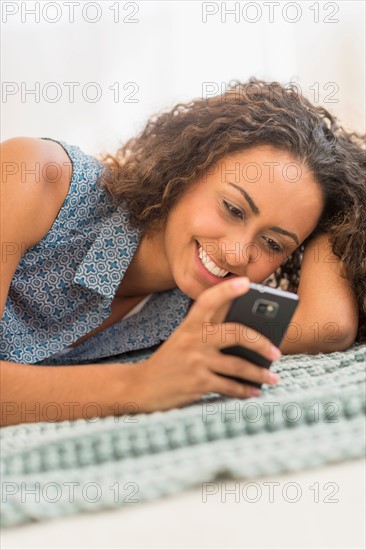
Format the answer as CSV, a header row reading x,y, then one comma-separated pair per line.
x,y
293,236
254,208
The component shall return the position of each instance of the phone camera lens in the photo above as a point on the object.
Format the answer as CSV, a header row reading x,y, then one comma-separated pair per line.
x,y
265,308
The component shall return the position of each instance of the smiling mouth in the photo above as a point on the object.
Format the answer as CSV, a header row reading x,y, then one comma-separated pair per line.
x,y
228,275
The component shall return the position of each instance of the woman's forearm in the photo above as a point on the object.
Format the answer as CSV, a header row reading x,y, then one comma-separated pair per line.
x,y
326,319
31,393
314,334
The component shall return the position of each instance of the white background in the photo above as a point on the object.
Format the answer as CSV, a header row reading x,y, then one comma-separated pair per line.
x,y
169,54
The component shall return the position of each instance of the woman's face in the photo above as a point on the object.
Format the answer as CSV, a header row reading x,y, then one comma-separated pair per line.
x,y
248,214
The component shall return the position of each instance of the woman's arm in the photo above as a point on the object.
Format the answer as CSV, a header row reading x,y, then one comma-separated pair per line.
x,y
326,319
35,393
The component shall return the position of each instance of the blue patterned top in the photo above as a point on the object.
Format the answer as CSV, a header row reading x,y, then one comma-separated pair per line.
x,y
63,286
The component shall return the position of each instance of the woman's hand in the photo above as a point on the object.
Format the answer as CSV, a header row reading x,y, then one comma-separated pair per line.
x,y
189,363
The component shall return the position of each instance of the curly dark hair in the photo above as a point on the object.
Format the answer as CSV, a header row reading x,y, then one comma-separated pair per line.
x,y
152,171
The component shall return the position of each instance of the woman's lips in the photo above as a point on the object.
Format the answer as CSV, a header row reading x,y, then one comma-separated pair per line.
x,y
205,273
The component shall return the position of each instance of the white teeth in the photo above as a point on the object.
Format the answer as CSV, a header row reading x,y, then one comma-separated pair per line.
x,y
210,265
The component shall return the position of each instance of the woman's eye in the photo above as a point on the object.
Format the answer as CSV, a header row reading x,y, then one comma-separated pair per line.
x,y
275,246
235,212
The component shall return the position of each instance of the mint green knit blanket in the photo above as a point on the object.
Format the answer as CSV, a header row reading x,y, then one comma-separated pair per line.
x,y
314,416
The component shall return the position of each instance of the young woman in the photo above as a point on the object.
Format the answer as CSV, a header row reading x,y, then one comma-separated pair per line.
x,y
100,257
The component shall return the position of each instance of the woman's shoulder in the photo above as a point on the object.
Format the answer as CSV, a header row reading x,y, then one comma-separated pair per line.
x,y
41,172
35,180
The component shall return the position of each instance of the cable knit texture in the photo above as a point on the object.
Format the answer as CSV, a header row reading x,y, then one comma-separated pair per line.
x,y
314,416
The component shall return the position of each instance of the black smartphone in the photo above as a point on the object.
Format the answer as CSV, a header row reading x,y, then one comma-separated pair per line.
x,y
267,310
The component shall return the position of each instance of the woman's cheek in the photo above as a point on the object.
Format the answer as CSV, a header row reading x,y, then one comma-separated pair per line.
x,y
262,268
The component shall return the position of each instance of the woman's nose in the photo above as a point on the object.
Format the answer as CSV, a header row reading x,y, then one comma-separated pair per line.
x,y
236,255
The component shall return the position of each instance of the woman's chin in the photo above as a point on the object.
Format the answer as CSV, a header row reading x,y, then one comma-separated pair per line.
x,y
191,288
190,292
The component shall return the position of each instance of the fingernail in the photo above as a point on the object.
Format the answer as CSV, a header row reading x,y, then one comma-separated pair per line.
x,y
240,282
255,392
273,378
275,353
